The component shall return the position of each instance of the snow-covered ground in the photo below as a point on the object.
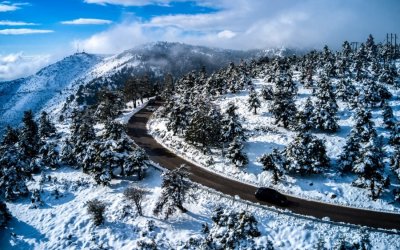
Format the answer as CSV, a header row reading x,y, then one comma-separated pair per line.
x,y
64,223
264,136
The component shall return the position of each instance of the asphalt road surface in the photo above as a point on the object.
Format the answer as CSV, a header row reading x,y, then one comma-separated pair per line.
x,y
137,131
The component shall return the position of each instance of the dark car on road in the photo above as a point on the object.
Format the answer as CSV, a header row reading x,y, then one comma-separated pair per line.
x,y
271,195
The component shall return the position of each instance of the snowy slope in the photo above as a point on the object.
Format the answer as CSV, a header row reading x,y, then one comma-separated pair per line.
x,y
64,223
35,91
51,86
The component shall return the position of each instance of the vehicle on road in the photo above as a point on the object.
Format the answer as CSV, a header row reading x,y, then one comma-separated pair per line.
x,y
271,195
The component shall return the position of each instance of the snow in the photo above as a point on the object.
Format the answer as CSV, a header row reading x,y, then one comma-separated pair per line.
x,y
264,136
65,223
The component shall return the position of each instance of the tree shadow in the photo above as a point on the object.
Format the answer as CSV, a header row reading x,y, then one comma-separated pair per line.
x,y
18,235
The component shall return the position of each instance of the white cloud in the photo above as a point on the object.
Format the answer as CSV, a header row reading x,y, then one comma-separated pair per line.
x,y
248,24
23,31
15,23
226,34
16,65
91,21
7,7
130,2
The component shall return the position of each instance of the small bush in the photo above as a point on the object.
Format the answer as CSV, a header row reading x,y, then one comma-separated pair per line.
x,y
136,196
96,209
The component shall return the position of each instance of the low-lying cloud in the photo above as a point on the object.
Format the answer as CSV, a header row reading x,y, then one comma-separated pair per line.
x,y
16,65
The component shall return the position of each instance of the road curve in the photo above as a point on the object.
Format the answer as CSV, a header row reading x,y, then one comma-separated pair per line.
x,y
138,132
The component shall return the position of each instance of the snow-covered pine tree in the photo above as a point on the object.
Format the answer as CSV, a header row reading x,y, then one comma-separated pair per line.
x,y
204,128
374,93
49,155
267,93
13,174
306,154
274,162
325,108
283,107
395,134
369,168
363,128
135,162
371,49
345,90
395,162
305,116
231,126
253,101
175,191
46,127
113,130
110,105
388,118
67,155
10,136
232,230
29,137
350,153
235,153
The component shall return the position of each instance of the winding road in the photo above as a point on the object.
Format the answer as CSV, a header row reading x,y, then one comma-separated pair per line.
x,y
138,132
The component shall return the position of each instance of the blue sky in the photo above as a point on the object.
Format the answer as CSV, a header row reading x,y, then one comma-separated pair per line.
x,y
34,33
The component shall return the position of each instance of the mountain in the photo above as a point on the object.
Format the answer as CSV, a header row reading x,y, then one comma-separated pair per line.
x,y
52,85
35,91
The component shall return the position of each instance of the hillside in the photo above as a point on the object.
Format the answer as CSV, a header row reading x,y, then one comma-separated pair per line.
x,y
52,85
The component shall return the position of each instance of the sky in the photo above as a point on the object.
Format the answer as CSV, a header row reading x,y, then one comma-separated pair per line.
x,y
34,33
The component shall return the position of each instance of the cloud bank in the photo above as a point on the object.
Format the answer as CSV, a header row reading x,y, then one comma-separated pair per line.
x,y
16,65
248,24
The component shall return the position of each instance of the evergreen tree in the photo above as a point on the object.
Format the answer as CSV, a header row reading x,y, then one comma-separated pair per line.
x,y
305,116
306,154
204,127
231,126
135,163
395,162
374,93
254,102
283,107
369,167
110,105
267,93
345,90
395,134
67,155
175,191
350,154
363,128
326,108
46,127
388,118
29,138
10,136
274,162
235,153
49,155
232,230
